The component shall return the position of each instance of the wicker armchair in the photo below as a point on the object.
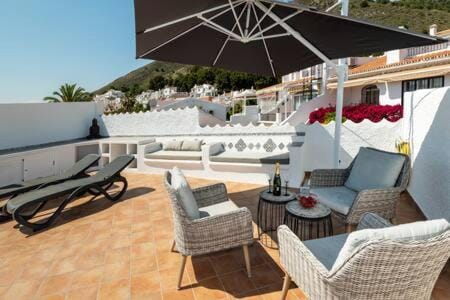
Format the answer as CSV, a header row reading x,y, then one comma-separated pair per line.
x,y
380,201
213,233
378,270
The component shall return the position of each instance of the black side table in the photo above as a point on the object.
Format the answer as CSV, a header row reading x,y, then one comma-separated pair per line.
x,y
271,211
306,223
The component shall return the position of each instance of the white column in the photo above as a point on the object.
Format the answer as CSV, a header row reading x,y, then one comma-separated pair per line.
x,y
341,74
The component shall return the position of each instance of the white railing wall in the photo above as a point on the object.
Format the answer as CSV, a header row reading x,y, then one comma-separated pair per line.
x,y
30,124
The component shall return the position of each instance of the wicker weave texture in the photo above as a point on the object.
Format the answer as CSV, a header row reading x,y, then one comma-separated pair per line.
x,y
378,270
209,234
380,201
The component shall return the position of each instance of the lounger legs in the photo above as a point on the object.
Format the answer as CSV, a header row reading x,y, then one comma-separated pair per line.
x,y
180,273
286,284
22,218
172,249
247,260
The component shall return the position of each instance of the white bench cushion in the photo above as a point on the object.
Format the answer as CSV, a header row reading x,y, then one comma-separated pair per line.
x,y
339,198
252,157
416,231
175,155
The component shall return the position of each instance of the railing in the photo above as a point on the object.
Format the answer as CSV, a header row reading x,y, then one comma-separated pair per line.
x,y
425,49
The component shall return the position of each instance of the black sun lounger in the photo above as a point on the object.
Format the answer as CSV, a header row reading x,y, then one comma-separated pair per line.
x,y
78,170
26,206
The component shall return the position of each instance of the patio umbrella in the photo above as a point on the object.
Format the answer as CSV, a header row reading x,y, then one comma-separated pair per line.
x,y
261,36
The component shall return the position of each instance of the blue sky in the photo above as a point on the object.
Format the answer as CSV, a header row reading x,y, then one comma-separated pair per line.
x,y
45,43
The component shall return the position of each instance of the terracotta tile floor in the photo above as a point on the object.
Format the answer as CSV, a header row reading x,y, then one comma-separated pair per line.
x,y
102,251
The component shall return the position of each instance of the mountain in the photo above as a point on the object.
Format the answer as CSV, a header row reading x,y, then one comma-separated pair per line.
x,y
142,75
416,15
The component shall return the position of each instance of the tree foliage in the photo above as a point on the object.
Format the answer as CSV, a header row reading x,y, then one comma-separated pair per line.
x,y
69,93
224,80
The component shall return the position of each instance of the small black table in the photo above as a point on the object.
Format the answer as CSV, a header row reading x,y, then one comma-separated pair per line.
x,y
306,223
271,211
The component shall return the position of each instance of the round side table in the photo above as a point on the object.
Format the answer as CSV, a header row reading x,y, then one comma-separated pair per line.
x,y
307,223
271,211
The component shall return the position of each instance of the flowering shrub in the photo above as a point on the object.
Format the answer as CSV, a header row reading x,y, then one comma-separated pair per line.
x,y
357,113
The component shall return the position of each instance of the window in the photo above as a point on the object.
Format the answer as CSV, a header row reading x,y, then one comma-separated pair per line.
x,y
370,95
423,83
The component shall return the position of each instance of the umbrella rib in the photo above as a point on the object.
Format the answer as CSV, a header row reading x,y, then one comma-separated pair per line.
x,y
185,32
277,22
227,39
295,34
262,18
191,16
265,46
236,17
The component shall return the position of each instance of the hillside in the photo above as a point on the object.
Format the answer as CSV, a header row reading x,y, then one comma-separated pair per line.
x,y
417,15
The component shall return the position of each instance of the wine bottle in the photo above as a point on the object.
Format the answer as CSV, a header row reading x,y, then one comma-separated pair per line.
x,y
277,181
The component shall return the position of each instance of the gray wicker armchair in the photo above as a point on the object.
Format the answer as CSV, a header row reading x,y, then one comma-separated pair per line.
x,y
380,201
219,230
377,270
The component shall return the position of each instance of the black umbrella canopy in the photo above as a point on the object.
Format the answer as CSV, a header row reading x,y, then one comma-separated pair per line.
x,y
257,36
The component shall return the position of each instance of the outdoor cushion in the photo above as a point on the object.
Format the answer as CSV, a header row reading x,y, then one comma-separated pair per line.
x,y
251,157
374,170
326,250
172,145
175,155
337,198
217,209
192,145
184,192
416,231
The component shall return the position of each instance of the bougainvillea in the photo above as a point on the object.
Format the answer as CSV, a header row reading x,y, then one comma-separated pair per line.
x,y
358,113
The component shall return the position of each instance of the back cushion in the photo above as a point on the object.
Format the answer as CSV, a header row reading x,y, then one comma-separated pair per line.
x,y
172,145
374,170
184,193
192,145
418,231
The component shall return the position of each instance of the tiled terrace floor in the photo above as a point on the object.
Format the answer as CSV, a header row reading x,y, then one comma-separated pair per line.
x,y
122,251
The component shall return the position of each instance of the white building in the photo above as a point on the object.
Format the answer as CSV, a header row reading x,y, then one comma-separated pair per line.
x,y
380,80
111,98
146,98
203,91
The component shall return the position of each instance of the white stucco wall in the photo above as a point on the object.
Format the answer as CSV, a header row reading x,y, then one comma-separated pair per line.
x,y
319,141
217,110
39,123
428,130
390,93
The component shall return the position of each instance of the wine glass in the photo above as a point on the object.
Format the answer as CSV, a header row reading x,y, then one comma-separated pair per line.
x,y
286,182
269,179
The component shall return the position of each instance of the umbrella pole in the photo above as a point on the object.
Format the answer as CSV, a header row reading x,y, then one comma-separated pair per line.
x,y
341,72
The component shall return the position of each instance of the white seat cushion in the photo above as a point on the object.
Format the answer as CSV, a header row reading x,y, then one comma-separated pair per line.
x,y
217,209
326,250
252,157
416,231
175,155
339,198
374,170
184,193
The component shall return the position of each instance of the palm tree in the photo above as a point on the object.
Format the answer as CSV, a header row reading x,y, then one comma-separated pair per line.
x,y
69,93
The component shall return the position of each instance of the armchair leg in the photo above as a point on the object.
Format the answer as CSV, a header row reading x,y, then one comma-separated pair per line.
x,y
348,228
247,260
172,249
180,274
286,284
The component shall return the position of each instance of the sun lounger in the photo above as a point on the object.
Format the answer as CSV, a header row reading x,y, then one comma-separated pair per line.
x,y
78,170
26,206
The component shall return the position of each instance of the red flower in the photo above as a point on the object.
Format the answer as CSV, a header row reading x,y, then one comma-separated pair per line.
x,y
358,113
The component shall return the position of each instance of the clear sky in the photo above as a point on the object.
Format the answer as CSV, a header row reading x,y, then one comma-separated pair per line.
x,y
45,43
